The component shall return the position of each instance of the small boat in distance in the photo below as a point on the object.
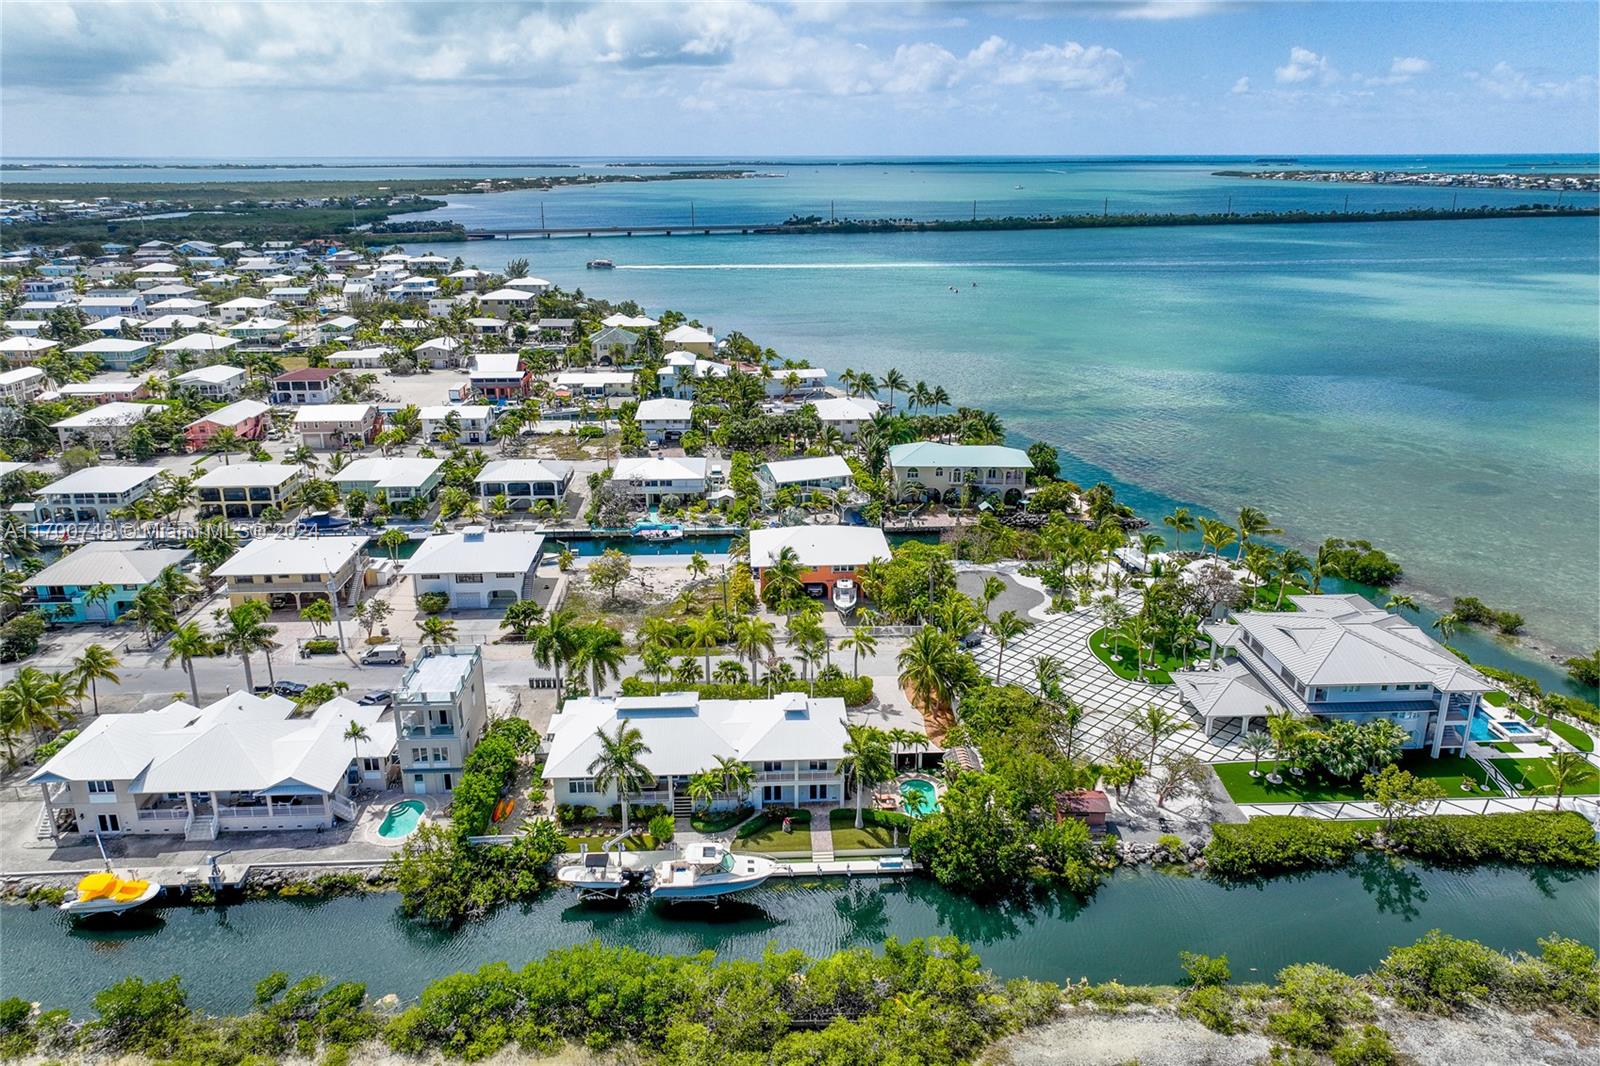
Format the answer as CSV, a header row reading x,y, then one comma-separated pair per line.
x,y
658,533
107,893
709,871
600,264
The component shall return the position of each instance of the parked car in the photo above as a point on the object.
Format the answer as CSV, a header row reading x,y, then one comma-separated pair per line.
x,y
378,697
383,655
291,689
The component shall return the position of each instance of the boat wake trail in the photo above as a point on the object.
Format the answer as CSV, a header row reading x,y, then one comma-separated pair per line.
x,y
1116,264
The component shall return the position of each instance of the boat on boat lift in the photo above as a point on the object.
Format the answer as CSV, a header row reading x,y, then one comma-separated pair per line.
x,y
845,594
709,871
603,874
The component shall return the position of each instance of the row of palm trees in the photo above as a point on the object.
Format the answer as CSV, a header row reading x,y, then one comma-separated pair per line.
x,y
35,702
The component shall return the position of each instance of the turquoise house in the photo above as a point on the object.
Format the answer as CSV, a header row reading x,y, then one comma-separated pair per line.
x,y
66,588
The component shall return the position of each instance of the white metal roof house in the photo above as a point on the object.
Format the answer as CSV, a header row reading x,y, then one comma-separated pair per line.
x,y
596,384
1338,657
524,482
294,566
828,472
665,420
847,414
476,569
22,384
397,477
653,478
501,302
826,554
242,764
794,744
115,353
687,338
438,352
244,490
474,421
105,426
936,471
200,344
332,425
217,382
90,494
63,588
24,349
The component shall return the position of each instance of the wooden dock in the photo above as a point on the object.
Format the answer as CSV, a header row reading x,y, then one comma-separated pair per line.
x,y
887,867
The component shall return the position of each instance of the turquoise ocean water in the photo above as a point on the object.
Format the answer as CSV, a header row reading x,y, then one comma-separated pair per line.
x,y
1432,386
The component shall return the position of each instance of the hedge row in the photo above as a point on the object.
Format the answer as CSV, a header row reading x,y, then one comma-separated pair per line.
x,y
855,691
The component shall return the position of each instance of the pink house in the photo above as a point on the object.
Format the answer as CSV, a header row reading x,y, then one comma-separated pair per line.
x,y
247,418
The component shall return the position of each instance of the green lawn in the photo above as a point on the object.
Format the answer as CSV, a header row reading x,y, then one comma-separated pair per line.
x,y
846,837
1266,597
1563,729
763,834
718,821
1447,770
1496,698
1117,654
1531,776
635,842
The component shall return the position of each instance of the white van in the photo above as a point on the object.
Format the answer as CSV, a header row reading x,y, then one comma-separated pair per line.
x,y
384,655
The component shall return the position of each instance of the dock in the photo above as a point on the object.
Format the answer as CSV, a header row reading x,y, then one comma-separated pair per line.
x,y
887,867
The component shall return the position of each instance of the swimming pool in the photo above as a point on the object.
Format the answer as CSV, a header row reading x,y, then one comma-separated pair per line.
x,y
1486,730
401,820
918,797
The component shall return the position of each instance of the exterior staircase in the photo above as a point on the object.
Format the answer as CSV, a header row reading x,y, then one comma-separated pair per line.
x,y
201,827
682,806
46,828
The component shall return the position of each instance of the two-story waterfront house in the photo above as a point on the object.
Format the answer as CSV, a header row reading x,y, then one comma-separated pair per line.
x,y
397,479
477,570
613,346
219,382
792,742
440,712
652,478
826,554
91,494
1339,658
524,482
244,490
499,377
606,386
98,581
310,385
295,570
939,472
242,764
22,385
847,414
105,427
825,473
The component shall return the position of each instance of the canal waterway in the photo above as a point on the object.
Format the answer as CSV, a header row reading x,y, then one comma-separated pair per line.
x,y
1132,930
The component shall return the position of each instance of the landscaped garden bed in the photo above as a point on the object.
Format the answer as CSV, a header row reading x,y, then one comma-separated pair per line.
x,y
765,832
1117,653
875,833
1448,770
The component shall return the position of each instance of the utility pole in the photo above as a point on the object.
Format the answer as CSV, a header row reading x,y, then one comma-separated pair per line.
x,y
691,214
974,210
1230,205
1105,207
541,216
338,615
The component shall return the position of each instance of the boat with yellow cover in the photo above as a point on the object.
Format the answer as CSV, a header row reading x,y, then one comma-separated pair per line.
x,y
106,893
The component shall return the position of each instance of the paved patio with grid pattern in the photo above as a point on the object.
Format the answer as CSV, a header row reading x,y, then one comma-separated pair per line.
x,y
1106,698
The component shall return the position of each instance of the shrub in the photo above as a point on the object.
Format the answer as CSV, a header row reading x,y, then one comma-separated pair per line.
x,y
661,828
433,602
1277,843
1440,973
47,751
1172,844
1369,1047
1522,837
142,1016
1211,1006
321,646
855,691
1204,970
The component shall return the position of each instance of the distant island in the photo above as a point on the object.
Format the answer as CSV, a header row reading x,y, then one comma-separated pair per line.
x,y
1438,178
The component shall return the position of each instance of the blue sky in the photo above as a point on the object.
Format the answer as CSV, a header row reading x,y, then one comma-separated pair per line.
x,y
750,79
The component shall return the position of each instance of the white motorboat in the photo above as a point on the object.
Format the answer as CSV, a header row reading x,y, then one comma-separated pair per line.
x,y
600,264
844,594
709,871
108,893
661,533
601,873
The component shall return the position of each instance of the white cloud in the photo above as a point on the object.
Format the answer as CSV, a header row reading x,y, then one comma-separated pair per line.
x,y
1402,70
1069,66
1508,83
1305,65
1240,87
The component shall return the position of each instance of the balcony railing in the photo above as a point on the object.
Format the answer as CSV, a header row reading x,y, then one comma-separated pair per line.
x,y
170,814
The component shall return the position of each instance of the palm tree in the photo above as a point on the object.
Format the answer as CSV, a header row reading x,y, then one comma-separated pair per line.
x,y
1158,724
1399,601
151,611
993,587
1180,522
1566,768
554,641
1006,628
1290,565
703,788
1447,624
781,584
1253,522
705,632
866,759
94,664
619,763
894,380
245,632
1256,744
601,652
356,734
698,567
392,540
29,702
859,640
930,668
188,644
438,631
753,635
737,777
99,595
1216,535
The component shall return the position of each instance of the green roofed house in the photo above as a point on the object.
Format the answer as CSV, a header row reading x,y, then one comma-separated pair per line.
x,y
929,470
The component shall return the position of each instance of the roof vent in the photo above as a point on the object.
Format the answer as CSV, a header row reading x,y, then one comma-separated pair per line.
x,y
472,533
